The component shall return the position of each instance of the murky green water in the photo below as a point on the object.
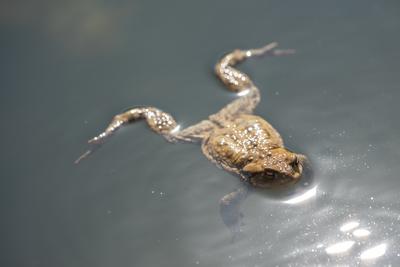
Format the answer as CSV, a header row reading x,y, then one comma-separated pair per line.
x,y
68,66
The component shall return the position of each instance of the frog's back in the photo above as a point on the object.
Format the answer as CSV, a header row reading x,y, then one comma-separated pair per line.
x,y
245,138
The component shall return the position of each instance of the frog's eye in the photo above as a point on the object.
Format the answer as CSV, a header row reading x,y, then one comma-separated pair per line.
x,y
271,174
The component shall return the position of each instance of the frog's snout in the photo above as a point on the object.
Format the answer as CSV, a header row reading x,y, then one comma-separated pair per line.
x,y
297,167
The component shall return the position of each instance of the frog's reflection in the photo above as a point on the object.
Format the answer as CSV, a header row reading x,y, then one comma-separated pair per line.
x,y
230,204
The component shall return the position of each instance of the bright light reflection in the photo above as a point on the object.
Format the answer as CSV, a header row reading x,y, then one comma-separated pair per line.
x,y
339,247
361,232
349,226
243,93
176,129
374,252
303,197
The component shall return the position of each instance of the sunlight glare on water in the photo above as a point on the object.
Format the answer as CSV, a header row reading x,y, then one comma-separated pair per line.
x,y
374,252
303,197
68,67
340,247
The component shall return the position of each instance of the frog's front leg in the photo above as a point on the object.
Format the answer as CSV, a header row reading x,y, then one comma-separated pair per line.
x,y
229,208
159,121
239,82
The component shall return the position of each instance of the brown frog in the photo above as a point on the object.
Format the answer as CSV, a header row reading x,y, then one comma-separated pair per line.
x,y
232,138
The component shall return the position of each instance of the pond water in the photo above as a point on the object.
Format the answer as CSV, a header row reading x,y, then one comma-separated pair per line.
x,y
69,66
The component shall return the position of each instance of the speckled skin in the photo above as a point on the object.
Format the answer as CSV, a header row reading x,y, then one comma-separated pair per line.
x,y
252,148
232,138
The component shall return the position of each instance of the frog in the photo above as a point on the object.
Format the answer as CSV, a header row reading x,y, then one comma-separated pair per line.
x,y
233,138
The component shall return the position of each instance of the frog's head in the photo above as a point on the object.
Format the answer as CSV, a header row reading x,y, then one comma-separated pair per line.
x,y
278,167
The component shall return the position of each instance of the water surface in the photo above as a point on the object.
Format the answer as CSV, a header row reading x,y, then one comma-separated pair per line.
x,y
69,66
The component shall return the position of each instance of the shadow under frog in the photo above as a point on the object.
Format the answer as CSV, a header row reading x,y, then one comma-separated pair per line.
x,y
233,138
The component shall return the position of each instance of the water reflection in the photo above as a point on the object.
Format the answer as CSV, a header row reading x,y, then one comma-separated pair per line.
x,y
361,233
345,246
340,247
303,197
176,129
374,252
349,226
243,93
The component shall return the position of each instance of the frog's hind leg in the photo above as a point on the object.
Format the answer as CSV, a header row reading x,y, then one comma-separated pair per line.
x,y
159,121
239,82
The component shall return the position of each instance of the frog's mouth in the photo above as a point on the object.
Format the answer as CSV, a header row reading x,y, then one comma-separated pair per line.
x,y
272,178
